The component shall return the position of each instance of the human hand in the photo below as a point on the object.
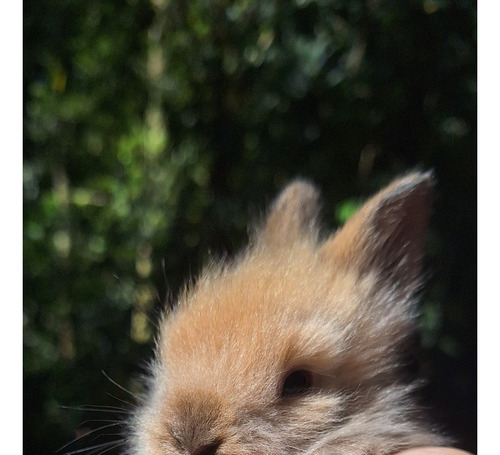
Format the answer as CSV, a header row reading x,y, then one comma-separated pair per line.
x,y
433,451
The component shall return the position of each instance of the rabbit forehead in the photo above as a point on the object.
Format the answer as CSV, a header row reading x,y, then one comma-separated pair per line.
x,y
250,325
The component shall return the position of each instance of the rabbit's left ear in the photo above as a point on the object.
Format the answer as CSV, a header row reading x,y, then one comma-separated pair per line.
x,y
387,234
292,216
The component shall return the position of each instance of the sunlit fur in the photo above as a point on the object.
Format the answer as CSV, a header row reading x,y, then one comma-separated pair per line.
x,y
340,307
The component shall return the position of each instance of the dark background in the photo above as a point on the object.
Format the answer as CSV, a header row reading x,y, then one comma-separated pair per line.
x,y
155,131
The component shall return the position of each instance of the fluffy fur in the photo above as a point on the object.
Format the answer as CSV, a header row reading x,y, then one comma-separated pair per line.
x,y
338,309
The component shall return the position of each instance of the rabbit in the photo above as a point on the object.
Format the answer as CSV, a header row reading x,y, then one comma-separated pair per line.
x,y
295,346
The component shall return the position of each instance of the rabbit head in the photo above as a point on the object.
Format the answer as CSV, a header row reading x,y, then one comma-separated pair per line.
x,y
294,347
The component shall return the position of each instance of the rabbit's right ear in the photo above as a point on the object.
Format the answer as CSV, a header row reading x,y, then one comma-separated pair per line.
x,y
292,216
387,234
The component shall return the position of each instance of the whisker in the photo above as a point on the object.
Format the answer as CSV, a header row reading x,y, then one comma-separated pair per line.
x,y
79,438
118,444
123,401
100,421
96,408
108,435
118,385
106,445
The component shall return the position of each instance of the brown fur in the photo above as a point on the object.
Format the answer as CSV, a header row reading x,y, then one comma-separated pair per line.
x,y
339,309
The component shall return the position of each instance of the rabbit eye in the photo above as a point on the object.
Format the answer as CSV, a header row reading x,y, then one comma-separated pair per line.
x,y
296,383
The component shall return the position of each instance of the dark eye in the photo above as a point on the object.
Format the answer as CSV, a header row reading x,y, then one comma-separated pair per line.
x,y
296,383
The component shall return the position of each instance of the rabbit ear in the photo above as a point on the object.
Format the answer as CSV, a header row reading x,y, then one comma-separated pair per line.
x,y
292,215
387,234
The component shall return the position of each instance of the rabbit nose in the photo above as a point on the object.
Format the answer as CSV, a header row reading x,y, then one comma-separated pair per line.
x,y
198,427
207,449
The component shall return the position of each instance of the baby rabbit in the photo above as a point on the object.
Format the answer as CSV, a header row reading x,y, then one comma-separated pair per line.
x,y
295,347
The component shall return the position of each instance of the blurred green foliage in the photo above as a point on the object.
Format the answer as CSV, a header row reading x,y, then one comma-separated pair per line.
x,y
156,130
